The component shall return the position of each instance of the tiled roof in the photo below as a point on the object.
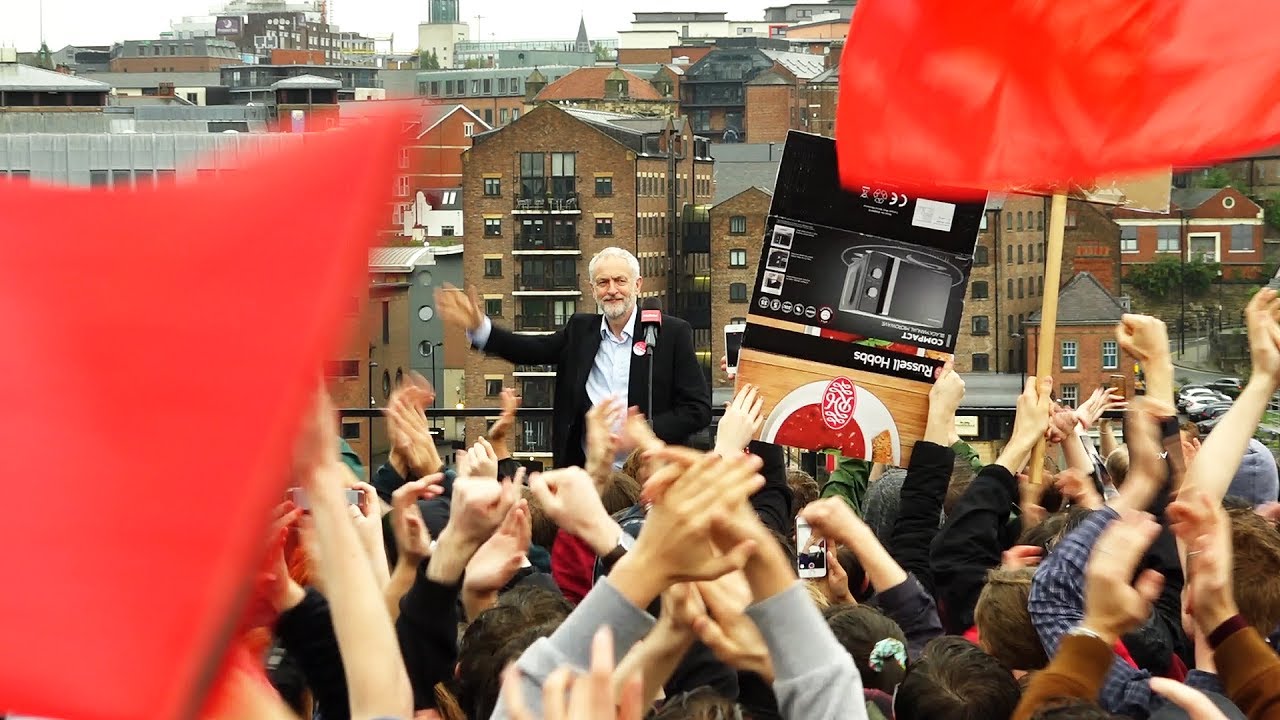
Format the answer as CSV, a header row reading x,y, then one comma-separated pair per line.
x,y
589,84
15,76
769,77
831,76
396,259
1083,301
1192,198
802,65
740,166
307,81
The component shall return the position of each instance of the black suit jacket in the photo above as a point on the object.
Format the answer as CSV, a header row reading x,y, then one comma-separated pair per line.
x,y
681,397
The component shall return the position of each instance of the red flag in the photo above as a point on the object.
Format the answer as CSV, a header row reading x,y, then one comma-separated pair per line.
x,y
160,349
995,94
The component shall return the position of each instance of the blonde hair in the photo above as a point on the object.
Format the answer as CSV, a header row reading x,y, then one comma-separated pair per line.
x,y
1117,464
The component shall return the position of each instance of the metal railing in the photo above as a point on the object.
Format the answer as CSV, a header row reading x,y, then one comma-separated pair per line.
x,y
552,202
556,241
547,281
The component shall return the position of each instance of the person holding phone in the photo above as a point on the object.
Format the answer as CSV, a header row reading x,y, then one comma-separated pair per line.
x,y
599,356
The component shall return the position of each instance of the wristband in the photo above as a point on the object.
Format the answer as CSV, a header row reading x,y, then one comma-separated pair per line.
x,y
1229,627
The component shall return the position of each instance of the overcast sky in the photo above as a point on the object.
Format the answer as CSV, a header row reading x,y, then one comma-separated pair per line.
x,y
92,22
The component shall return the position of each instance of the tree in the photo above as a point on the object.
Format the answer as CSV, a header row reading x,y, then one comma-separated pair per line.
x,y
428,60
1166,275
1215,178
1272,211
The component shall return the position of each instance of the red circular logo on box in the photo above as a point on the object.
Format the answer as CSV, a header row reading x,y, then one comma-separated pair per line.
x,y
838,403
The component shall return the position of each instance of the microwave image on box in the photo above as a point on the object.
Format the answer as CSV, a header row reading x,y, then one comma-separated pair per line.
x,y
778,259
782,236
894,288
772,283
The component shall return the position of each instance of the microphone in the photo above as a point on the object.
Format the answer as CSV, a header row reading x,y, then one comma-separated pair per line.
x,y
651,322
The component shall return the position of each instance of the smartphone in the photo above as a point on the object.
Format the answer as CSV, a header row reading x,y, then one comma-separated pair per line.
x,y
299,497
1116,382
733,344
811,557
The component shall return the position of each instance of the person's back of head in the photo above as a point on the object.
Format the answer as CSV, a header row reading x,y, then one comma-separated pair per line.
x,y
1256,569
955,680
700,704
621,491
1004,623
804,489
874,641
488,646
1072,709
543,528
1118,465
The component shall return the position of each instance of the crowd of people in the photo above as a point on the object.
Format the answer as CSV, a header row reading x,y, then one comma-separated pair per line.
x,y
1139,579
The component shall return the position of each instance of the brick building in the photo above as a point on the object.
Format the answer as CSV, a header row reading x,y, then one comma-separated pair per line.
x,y
737,234
544,194
499,95
715,91
1085,350
610,89
1219,225
820,95
201,54
376,357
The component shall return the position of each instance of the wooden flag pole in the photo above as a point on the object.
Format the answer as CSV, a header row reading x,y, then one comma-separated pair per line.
x,y
1049,314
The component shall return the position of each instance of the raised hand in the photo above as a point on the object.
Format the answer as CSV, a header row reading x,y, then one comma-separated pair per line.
x,y
732,636
947,393
1143,337
413,541
500,431
413,450
367,516
1261,316
1029,423
1021,556
603,442
741,421
482,461
1078,488
501,556
1205,530
567,695
1112,605
459,308
570,498
1103,400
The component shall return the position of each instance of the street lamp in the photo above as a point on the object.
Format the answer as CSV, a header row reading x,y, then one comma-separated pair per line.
x,y
373,365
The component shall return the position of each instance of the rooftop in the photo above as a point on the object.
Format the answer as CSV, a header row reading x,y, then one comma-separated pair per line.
x,y
307,81
1083,301
15,76
397,259
152,80
803,65
740,166
590,84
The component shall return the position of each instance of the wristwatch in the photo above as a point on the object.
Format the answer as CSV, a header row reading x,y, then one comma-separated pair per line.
x,y
625,543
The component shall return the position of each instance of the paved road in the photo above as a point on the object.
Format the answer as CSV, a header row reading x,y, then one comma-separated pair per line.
x,y
1194,376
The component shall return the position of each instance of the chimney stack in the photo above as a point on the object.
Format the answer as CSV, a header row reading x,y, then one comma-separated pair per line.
x,y
833,54
1096,259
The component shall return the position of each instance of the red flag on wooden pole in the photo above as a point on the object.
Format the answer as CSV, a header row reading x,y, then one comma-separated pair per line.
x,y
995,94
160,348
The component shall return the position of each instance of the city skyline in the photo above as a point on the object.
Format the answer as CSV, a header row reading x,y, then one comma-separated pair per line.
x,y
76,22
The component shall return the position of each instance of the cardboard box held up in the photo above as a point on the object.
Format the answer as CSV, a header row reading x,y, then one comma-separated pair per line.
x,y
856,307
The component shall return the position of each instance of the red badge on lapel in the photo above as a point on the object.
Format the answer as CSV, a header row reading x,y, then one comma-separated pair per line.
x,y
639,348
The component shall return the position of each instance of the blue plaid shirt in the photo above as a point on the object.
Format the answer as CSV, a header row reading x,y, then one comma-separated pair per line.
x,y
1057,605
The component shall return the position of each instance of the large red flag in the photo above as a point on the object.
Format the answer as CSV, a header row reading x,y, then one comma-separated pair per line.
x,y
160,347
995,94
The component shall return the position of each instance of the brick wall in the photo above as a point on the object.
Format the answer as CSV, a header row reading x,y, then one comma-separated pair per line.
x,y
1208,227
1090,226
1089,372
752,204
769,111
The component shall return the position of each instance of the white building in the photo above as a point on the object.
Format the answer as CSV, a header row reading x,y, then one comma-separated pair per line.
x,y
441,39
666,29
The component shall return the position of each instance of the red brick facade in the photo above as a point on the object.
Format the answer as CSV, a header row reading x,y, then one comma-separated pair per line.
x,y
737,233
1089,372
1222,226
771,112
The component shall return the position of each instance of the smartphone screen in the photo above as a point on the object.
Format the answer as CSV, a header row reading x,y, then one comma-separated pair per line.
x,y
733,344
298,497
811,557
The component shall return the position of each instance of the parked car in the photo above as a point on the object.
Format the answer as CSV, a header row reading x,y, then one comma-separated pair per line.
x,y
1229,385
1208,411
1191,393
1206,426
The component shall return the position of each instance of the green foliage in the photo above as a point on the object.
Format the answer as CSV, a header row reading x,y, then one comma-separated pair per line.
x,y
1215,178
428,60
1166,275
1272,211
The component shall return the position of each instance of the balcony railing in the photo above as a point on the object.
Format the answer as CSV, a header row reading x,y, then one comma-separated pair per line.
x,y
557,202
561,241
547,281
535,369
540,323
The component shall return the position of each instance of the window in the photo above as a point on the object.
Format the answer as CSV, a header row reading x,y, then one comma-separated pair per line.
x,y
1068,354
469,129
981,325
492,187
1040,220
982,224
493,307
1071,220
1110,355
1020,258
981,362
1128,239
737,258
737,292
979,290
446,231
404,157
402,186
475,87
604,227
563,174
493,267
488,87
515,114
386,322
492,387
1069,395
493,227
738,225
1167,238
488,116
562,310
1008,221
99,178
342,368
1020,288
350,430
1008,254
533,176
980,255
1009,289
1241,238
604,186
1019,221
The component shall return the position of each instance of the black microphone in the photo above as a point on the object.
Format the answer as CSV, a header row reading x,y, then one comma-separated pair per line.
x,y
651,322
